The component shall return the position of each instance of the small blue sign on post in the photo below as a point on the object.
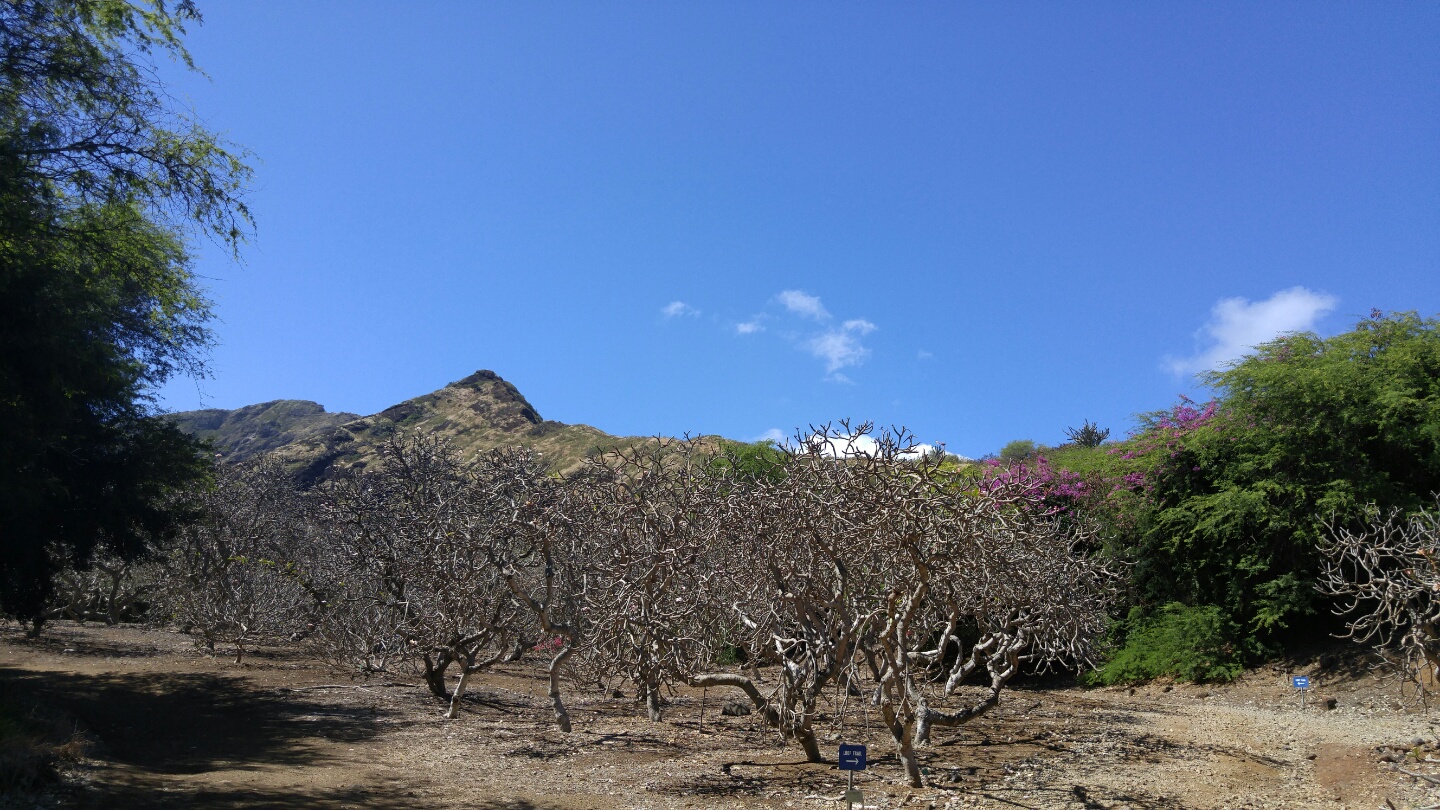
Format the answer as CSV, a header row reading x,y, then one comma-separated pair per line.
x,y
1302,683
852,757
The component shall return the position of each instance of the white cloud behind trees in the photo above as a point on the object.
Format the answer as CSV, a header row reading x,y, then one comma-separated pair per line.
x,y
1238,325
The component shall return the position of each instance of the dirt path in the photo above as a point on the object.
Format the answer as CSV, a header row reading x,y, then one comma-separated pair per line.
x,y
175,728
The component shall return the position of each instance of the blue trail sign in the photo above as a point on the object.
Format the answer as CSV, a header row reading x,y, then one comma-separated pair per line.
x,y
852,757
1302,683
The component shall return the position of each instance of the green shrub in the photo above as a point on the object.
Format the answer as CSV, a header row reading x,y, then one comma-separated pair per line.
x,y
1187,643
1018,450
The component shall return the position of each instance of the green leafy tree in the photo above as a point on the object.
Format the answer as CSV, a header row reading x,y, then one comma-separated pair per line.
x,y
85,120
100,185
752,461
1018,450
1229,501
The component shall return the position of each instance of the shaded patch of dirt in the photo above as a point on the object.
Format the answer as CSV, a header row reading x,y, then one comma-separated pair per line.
x,y
176,728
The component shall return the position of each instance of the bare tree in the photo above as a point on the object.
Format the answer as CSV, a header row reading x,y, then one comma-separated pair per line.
x,y
1088,435
984,584
650,527
1386,575
504,491
407,567
359,567
863,566
226,576
540,556
109,589
802,575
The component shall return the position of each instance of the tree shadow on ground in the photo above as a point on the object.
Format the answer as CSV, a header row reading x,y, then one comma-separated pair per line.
x,y
370,797
1075,796
189,723
58,640
140,794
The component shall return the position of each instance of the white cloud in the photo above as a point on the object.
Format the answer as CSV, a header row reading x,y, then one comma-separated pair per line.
x,y
863,445
1237,326
924,355
675,309
775,435
838,346
846,446
803,304
841,348
838,349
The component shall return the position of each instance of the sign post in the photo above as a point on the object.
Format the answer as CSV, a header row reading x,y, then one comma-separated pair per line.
x,y
852,759
1302,683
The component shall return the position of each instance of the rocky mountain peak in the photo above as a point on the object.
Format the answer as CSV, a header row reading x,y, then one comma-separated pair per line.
x,y
476,413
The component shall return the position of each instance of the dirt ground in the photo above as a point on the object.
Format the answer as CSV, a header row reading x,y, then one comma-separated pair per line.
x,y
172,727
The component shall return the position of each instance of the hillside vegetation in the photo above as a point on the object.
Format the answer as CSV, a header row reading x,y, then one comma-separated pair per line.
x,y
1221,508
244,433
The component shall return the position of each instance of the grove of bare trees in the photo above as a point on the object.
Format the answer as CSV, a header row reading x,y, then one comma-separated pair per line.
x,y
883,581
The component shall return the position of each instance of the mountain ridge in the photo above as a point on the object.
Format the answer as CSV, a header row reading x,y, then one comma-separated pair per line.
x,y
475,414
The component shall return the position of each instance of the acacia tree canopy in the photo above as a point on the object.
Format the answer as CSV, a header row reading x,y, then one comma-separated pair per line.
x,y
1305,431
84,116
100,185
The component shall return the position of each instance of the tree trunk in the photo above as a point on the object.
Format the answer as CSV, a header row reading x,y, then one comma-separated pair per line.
x,y
922,723
907,759
112,605
562,717
804,734
806,737
459,694
652,701
434,674
904,734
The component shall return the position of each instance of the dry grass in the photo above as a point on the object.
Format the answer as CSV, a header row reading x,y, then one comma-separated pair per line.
x,y
34,742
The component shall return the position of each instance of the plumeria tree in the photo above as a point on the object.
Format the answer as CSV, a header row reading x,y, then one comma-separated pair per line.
x,y
900,577
1386,578
229,575
651,522
408,569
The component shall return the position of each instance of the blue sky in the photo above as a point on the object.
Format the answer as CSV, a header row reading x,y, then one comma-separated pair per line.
x,y
983,222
